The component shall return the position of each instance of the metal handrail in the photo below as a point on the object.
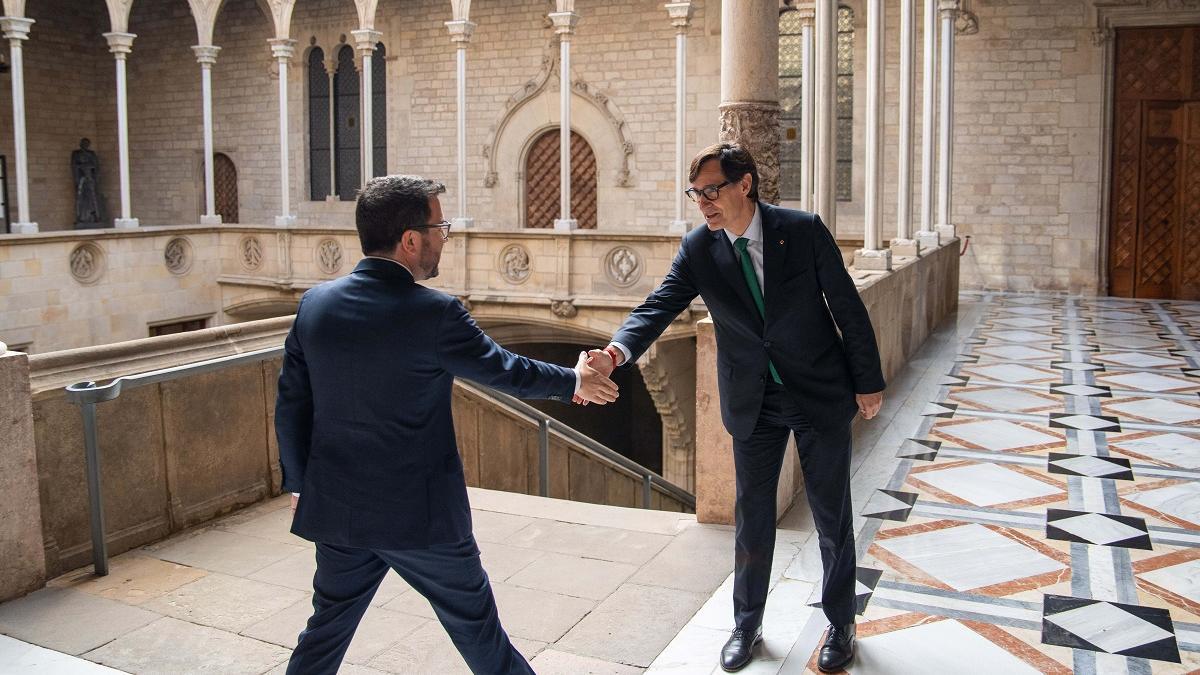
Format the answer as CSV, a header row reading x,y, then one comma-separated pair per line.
x,y
87,395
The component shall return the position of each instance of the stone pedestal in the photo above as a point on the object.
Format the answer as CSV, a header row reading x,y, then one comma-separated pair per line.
x,y
946,232
715,487
929,239
23,563
566,224
906,247
211,220
875,260
125,223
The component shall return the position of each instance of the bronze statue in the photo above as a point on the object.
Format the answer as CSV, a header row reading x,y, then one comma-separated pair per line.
x,y
85,170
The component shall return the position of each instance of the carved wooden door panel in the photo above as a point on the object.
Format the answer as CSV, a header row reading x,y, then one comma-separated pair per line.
x,y
542,182
1154,220
225,185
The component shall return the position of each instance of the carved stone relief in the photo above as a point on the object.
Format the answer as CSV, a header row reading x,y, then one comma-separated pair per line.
x,y
252,252
564,309
87,263
177,255
756,126
329,256
514,264
623,265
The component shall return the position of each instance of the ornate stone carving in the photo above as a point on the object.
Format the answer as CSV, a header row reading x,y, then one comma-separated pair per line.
x,y
87,263
756,126
329,256
535,86
252,252
675,421
514,264
564,308
967,23
623,266
177,255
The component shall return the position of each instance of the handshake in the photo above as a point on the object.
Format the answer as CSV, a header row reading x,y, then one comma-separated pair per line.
x,y
594,368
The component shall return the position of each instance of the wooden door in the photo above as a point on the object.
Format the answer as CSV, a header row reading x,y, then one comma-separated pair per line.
x,y
1154,230
542,197
225,184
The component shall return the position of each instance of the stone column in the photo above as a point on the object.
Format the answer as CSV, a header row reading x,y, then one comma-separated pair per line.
x,y
808,153
331,66
948,9
16,31
365,41
206,55
121,44
904,244
23,565
460,34
824,100
750,86
872,256
565,20
283,50
681,18
927,236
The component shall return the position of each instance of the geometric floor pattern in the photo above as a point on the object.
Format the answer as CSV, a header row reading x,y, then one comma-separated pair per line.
x,y
1045,518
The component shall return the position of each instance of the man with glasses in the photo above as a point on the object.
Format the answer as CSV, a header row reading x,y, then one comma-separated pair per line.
x,y
796,354
366,439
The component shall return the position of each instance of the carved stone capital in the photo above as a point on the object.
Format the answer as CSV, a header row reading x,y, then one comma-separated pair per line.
x,y
15,27
365,40
282,48
564,23
564,308
807,14
680,13
967,23
120,44
755,126
206,55
1102,36
948,8
461,31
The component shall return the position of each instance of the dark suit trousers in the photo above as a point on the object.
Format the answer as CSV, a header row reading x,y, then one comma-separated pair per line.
x,y
825,463
448,575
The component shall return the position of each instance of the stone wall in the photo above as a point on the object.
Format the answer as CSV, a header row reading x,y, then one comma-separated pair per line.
x,y
23,563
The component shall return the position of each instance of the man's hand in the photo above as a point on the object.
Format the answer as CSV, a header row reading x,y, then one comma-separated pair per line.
x,y
869,404
594,385
600,361
295,501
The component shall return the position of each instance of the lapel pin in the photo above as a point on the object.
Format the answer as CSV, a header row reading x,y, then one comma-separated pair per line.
x,y
781,242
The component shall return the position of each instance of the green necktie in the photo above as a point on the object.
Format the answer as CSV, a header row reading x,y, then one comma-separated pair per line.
x,y
755,291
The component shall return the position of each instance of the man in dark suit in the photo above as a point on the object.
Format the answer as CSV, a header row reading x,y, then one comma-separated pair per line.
x,y
778,293
366,440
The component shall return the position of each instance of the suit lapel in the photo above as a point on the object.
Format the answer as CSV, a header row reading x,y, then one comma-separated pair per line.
x,y
727,262
774,254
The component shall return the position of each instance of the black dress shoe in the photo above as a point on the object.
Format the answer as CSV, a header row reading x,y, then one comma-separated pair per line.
x,y
838,650
738,651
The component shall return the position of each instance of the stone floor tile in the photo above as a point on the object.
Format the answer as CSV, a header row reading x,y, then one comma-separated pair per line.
x,y
378,630
69,621
538,615
695,649
132,578
274,524
574,576
26,659
698,559
226,552
554,662
633,624
605,543
426,651
501,561
173,647
225,602
295,571
497,527
411,602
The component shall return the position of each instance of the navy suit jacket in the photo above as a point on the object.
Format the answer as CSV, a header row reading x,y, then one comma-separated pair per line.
x,y
363,414
809,297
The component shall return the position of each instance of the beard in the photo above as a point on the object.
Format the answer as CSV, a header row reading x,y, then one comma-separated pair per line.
x,y
429,264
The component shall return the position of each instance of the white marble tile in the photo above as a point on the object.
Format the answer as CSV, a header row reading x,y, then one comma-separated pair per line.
x,y
1005,400
1123,328
881,502
1010,373
695,649
1182,579
997,434
1181,500
1138,359
1170,448
1167,412
27,659
1016,352
1022,322
1120,316
1080,390
1096,528
1127,341
1108,627
1149,382
1021,336
986,484
1085,422
1029,311
1089,465
970,556
935,647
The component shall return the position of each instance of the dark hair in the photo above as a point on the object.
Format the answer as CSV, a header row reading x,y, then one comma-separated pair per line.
x,y
388,206
736,161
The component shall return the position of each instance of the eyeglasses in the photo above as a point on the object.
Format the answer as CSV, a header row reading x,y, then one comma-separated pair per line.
x,y
444,226
710,193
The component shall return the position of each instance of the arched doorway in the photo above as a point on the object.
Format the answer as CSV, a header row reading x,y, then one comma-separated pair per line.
x,y
225,184
542,181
